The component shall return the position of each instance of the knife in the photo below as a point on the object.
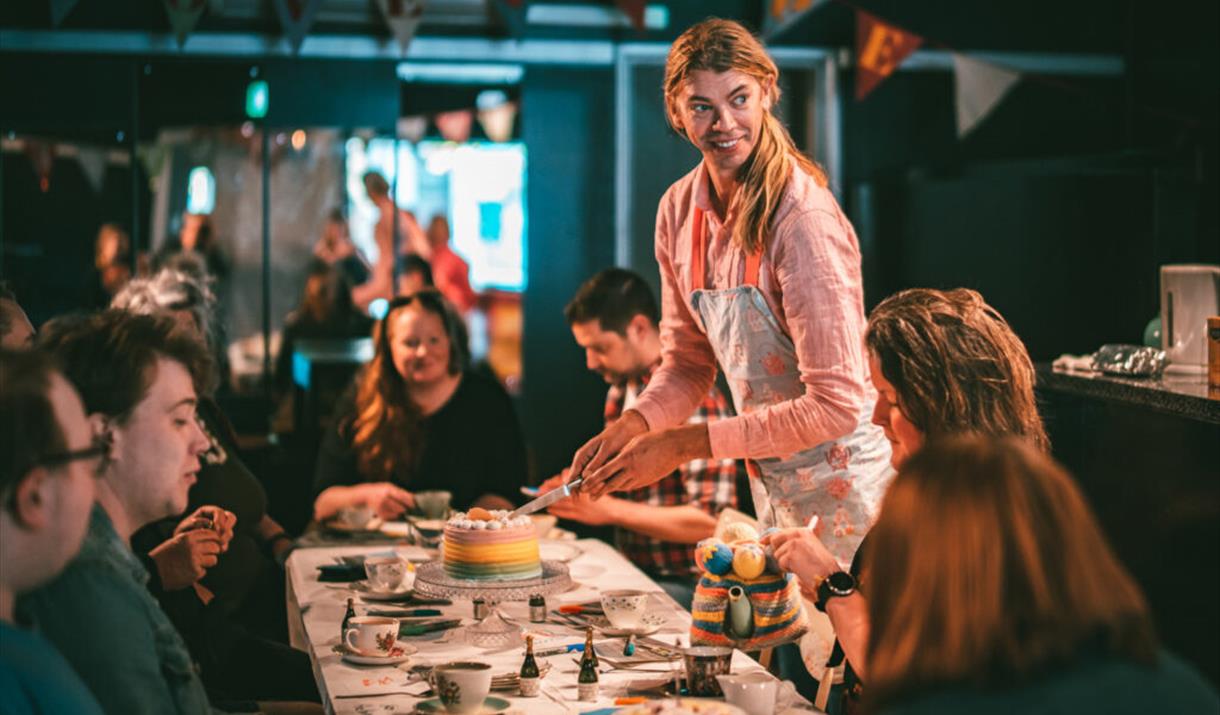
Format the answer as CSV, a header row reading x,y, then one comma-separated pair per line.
x,y
548,499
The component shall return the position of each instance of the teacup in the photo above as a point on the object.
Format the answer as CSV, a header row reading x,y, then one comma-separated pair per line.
x,y
371,635
625,609
433,504
462,686
387,573
703,664
752,692
355,517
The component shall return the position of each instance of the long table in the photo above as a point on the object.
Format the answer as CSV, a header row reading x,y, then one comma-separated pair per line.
x,y
315,610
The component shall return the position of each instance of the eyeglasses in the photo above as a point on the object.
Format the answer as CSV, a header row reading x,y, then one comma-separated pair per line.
x,y
99,447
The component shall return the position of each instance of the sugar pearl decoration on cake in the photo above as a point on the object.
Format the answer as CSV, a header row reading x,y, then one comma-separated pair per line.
x,y
478,519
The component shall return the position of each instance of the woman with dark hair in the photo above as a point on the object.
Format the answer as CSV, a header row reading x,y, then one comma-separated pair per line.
x,y
418,418
994,591
326,311
943,363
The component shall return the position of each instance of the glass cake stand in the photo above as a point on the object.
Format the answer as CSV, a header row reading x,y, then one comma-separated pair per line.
x,y
431,581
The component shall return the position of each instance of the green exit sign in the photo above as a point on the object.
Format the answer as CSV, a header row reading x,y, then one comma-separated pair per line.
x,y
258,98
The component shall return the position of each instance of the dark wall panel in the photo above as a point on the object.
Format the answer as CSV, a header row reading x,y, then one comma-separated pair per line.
x,y
568,124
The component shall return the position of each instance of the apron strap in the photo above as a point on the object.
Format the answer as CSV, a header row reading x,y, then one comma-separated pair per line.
x,y
698,266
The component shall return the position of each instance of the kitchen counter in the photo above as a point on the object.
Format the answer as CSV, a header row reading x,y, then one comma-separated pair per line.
x,y
1180,395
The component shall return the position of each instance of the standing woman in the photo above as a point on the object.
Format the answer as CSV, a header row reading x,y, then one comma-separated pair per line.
x,y
760,274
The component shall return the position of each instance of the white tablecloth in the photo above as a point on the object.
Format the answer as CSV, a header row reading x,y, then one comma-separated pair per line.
x,y
315,610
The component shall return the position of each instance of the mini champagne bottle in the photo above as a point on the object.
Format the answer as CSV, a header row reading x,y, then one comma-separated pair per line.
x,y
586,682
347,617
531,676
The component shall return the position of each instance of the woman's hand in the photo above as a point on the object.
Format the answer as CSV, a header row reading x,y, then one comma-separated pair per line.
x,y
798,551
647,459
606,445
186,557
214,518
388,500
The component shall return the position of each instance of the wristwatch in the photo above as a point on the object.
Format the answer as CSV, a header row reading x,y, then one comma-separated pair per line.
x,y
836,585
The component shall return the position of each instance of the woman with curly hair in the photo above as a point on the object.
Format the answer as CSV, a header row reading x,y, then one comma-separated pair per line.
x,y
943,363
419,419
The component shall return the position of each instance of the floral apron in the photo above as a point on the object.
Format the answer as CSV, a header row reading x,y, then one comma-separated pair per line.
x,y
841,481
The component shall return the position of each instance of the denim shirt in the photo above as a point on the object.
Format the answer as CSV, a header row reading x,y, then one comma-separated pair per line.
x,y
100,615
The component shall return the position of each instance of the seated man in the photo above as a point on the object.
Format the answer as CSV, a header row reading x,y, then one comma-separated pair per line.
x,y
137,376
614,316
47,462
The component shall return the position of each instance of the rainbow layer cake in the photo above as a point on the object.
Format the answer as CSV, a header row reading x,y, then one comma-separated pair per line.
x,y
489,546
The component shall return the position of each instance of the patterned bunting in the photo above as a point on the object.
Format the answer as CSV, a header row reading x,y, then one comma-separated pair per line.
x,y
183,14
980,87
880,48
296,17
402,17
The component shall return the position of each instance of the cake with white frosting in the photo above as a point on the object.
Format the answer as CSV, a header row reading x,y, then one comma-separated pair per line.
x,y
487,545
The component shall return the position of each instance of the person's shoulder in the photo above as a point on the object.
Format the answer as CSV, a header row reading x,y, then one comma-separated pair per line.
x,y
35,677
481,385
680,192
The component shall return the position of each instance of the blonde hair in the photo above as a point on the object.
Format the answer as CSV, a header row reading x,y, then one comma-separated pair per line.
x,y
721,46
987,568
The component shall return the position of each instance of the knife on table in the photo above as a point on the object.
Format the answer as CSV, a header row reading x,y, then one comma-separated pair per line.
x,y
548,499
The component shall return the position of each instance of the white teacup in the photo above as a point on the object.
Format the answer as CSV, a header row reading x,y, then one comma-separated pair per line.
x,y
625,609
462,686
753,692
355,517
388,573
433,503
371,635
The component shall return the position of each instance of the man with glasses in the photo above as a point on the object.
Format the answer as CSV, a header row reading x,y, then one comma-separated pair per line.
x,y
47,466
138,377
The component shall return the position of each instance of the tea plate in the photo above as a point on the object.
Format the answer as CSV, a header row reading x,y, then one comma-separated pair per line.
x,y
491,704
558,551
401,653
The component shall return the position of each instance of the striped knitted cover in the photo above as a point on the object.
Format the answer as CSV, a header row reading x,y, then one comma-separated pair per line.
x,y
779,616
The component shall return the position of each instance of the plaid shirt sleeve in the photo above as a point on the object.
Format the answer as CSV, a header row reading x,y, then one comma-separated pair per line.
x,y
711,484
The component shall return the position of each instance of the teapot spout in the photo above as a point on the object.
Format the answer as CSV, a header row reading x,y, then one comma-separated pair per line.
x,y
739,618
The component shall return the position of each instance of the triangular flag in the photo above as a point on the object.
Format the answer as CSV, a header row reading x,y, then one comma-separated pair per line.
x,y
455,125
93,166
60,10
412,128
42,159
634,10
880,48
403,17
183,14
296,17
497,122
980,87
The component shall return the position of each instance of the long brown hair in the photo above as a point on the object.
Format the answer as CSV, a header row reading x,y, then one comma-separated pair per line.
x,y
720,46
956,364
987,567
385,428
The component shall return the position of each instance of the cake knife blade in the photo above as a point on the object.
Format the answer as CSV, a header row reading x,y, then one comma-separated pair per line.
x,y
548,499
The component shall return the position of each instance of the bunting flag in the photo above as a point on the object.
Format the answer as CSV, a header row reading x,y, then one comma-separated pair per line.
x,y
412,128
980,87
60,10
42,158
880,48
183,14
93,165
455,126
497,121
296,17
634,10
402,16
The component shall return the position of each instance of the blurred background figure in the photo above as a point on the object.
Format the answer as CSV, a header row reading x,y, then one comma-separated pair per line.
x,y
411,239
414,274
993,590
336,248
197,236
452,274
326,312
112,261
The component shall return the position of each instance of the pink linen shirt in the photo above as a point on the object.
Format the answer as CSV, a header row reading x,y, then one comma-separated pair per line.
x,y
810,279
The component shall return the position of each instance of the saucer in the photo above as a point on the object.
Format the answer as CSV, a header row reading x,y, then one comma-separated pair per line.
x,y
401,653
343,527
368,594
645,630
557,551
490,705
